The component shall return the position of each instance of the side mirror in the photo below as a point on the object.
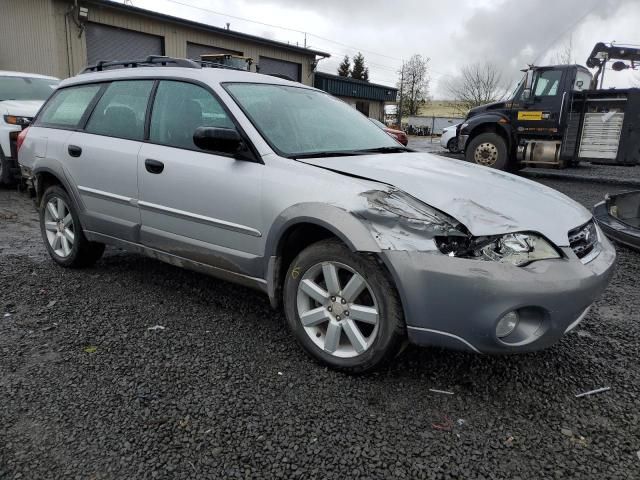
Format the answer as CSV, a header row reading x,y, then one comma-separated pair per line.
x,y
528,86
216,139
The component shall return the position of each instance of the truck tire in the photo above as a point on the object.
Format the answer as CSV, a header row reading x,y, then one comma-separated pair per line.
x,y
62,233
343,308
488,149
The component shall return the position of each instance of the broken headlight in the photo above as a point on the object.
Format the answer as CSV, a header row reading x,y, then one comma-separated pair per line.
x,y
517,249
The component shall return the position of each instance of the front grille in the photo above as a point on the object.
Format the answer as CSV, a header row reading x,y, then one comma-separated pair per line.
x,y
583,239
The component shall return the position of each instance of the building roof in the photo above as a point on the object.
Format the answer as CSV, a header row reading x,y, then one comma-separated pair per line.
x,y
350,87
204,26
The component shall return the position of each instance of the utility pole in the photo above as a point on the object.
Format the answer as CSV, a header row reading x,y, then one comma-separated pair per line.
x,y
399,108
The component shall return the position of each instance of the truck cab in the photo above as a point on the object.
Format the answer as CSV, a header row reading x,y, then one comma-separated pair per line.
x,y
529,126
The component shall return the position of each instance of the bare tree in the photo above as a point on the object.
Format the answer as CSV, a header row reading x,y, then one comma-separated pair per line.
x,y
478,84
564,56
413,85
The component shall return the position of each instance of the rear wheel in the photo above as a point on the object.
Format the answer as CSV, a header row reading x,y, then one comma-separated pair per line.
x,y
488,149
342,308
62,232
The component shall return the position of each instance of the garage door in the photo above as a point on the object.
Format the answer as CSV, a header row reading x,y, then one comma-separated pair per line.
x,y
269,66
111,43
194,50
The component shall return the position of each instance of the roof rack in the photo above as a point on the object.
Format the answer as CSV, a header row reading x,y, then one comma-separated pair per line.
x,y
150,61
208,64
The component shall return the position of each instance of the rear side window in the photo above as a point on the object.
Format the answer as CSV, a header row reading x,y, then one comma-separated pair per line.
x,y
179,108
67,106
121,110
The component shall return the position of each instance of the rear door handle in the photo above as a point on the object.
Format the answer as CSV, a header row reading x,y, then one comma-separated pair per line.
x,y
153,166
74,150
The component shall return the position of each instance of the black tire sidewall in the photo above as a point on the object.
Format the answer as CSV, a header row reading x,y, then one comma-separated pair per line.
x,y
56,191
391,324
503,155
6,177
452,145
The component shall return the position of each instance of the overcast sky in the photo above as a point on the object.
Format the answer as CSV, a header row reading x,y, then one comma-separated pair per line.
x,y
509,33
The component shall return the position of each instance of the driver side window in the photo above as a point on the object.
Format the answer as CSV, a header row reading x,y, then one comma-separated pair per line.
x,y
178,109
547,83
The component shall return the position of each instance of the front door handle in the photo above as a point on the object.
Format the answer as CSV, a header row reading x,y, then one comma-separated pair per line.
x,y
153,166
74,150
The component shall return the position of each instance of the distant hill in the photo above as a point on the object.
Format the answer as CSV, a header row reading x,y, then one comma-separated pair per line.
x,y
440,108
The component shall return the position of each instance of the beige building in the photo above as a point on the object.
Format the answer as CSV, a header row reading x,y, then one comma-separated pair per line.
x,y
61,37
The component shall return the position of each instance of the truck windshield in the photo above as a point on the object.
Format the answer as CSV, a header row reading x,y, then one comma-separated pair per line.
x,y
26,88
300,122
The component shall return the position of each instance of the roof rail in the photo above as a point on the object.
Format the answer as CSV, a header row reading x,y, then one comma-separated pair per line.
x,y
150,61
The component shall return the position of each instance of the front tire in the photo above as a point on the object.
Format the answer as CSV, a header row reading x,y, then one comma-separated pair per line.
x,y
489,150
6,175
342,308
452,145
62,233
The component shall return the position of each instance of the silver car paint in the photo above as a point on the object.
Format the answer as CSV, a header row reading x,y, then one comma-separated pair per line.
x,y
226,217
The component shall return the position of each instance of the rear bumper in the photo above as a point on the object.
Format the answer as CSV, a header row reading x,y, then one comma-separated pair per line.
x,y
615,229
457,303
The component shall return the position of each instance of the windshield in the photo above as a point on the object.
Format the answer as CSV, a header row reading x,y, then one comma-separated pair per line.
x,y
378,123
298,121
26,88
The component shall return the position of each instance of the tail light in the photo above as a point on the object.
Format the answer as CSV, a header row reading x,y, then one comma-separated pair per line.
x,y
21,136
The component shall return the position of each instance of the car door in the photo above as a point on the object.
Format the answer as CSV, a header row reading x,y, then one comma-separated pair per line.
x,y
196,204
542,114
102,159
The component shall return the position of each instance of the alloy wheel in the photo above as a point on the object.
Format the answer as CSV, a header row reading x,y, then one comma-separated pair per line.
x,y
486,154
338,309
59,227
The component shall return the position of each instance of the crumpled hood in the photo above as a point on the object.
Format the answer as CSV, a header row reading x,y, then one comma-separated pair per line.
x,y
21,108
485,200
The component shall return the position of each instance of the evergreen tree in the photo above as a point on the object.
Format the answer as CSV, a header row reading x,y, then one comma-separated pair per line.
x,y
345,67
359,71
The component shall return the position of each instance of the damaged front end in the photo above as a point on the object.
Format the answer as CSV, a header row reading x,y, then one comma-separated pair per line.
x,y
402,222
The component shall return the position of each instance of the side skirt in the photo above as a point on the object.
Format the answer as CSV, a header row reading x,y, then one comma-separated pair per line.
x,y
251,282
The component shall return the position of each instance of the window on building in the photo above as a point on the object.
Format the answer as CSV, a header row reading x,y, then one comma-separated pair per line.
x,y
68,105
179,109
363,107
121,110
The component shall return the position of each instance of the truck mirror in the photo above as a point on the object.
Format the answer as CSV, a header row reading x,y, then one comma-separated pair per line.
x,y
526,94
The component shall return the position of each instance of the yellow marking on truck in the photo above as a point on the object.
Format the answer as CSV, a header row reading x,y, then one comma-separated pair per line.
x,y
527,115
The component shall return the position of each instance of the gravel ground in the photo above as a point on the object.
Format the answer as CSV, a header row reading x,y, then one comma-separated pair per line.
x,y
89,391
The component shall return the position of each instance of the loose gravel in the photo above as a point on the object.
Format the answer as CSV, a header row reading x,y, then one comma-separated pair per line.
x,y
90,390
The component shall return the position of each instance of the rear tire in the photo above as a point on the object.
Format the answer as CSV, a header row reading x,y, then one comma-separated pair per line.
x,y
488,149
62,233
351,329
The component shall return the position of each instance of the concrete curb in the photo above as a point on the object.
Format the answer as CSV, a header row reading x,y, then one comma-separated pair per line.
x,y
583,178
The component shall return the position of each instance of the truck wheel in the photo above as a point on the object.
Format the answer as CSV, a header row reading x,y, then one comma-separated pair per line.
x,y
62,232
342,308
488,149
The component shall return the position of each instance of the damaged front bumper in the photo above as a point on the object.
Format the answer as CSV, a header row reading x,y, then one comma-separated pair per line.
x,y
457,303
619,218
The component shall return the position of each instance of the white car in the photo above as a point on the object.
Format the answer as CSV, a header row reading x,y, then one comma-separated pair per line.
x,y
21,96
448,139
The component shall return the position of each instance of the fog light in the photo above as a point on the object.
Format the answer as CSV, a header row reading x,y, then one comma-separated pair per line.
x,y
507,324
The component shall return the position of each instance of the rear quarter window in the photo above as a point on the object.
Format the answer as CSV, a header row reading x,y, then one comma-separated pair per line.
x,y
67,106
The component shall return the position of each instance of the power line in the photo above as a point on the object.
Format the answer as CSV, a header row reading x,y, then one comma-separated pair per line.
x,y
567,30
177,2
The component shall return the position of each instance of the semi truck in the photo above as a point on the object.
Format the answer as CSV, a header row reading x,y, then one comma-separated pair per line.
x,y
558,116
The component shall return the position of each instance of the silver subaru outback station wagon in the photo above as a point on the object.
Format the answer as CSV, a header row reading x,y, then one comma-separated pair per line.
x,y
272,184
